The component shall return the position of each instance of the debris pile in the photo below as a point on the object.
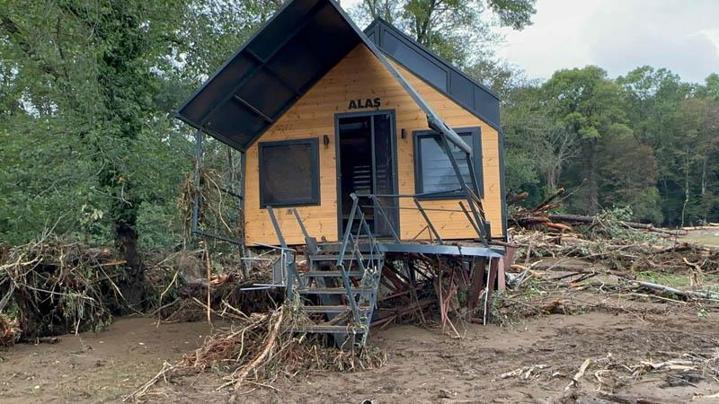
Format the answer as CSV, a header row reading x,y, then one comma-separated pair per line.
x,y
605,254
261,347
185,283
50,287
541,218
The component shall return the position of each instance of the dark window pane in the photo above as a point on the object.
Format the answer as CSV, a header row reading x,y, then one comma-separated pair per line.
x,y
436,172
289,173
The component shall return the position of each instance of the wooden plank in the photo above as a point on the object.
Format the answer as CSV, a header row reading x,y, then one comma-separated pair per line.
x,y
476,282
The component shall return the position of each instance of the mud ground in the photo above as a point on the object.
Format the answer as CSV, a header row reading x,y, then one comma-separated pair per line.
x,y
424,364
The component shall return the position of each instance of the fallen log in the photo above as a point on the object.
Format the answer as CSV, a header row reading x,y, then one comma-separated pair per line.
x,y
687,294
583,219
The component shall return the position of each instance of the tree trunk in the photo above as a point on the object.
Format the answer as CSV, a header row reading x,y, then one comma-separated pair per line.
x,y
592,181
686,186
133,285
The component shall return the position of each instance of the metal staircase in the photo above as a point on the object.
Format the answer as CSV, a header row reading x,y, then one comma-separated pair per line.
x,y
338,294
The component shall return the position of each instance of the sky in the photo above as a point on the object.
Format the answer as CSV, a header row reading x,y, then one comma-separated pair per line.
x,y
618,35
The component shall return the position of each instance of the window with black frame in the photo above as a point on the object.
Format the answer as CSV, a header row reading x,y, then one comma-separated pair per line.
x,y
433,169
289,173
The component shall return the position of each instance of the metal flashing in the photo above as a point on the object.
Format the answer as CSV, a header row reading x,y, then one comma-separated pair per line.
x,y
503,186
440,74
442,249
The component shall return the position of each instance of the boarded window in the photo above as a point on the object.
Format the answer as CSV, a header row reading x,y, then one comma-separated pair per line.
x,y
433,169
289,173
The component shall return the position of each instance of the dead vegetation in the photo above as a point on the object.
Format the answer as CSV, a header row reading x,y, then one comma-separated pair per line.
x,y
568,265
50,287
260,347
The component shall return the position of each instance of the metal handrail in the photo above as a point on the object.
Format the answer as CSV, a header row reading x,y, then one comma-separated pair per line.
x,y
352,240
292,273
472,200
340,258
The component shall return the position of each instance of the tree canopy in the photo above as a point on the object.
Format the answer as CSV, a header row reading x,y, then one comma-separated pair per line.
x,y
88,91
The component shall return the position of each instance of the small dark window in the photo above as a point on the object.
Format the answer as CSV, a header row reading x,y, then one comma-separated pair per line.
x,y
289,173
433,169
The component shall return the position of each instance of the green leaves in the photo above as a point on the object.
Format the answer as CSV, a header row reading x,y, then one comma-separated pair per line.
x,y
458,30
645,140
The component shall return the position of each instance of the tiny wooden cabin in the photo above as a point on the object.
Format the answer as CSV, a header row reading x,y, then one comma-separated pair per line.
x,y
321,110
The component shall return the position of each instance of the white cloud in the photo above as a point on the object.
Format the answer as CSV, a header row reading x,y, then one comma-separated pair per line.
x,y
619,36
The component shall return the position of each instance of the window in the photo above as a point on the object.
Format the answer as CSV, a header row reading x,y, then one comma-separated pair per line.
x,y
433,169
289,173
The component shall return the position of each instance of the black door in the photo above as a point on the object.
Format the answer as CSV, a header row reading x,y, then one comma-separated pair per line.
x,y
366,165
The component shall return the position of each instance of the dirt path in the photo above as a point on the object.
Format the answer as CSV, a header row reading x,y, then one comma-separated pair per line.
x,y
423,365
94,367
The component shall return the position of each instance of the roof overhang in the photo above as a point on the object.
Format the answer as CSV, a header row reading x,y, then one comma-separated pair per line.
x,y
291,53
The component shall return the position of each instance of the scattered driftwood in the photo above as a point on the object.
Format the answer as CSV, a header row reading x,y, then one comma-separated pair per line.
x,y
577,376
610,373
258,349
541,218
524,373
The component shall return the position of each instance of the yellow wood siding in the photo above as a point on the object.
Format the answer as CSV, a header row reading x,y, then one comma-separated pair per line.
x,y
360,76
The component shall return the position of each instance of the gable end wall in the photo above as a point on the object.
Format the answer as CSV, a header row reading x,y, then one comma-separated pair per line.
x,y
359,76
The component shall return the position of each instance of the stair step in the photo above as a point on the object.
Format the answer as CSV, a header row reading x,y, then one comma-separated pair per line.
x,y
330,274
331,309
326,329
347,256
332,291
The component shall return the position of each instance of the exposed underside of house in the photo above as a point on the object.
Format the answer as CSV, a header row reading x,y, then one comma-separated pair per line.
x,y
367,260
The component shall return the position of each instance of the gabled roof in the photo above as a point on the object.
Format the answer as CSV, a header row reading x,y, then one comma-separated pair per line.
x,y
444,77
291,53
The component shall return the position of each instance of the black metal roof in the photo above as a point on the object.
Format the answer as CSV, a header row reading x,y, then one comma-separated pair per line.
x,y
292,51
446,78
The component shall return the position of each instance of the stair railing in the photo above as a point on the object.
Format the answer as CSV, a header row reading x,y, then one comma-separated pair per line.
x,y
353,244
289,264
346,240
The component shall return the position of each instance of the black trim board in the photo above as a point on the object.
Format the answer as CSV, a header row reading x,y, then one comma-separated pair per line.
x,y
440,74
315,198
476,133
503,186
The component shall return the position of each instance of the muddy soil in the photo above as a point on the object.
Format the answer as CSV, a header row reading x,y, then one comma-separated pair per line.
x,y
424,364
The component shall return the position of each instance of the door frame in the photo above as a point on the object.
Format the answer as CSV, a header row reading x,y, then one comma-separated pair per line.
x,y
338,166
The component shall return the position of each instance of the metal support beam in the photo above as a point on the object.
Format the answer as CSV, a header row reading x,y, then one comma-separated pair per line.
x,y
430,226
199,153
291,273
468,193
253,109
448,134
270,71
469,217
378,206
